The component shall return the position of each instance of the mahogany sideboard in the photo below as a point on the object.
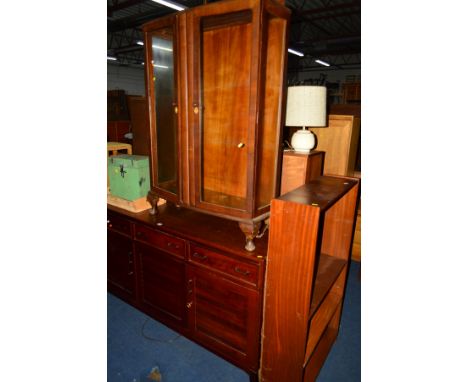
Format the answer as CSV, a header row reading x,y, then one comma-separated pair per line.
x,y
190,271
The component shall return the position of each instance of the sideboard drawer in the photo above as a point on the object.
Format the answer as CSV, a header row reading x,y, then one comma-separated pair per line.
x,y
237,268
116,223
161,240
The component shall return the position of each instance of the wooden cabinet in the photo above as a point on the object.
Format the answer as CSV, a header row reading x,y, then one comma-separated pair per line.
x,y
215,83
300,168
205,286
120,259
308,257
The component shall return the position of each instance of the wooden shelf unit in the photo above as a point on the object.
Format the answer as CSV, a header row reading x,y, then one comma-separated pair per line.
x,y
311,231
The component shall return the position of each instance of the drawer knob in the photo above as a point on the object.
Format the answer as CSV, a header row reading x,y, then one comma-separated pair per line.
x,y
130,273
189,304
242,271
200,256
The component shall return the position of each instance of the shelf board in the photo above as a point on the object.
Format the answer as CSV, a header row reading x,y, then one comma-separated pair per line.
x,y
322,192
326,299
329,268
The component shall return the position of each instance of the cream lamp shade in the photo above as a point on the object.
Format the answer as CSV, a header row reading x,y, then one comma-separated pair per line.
x,y
305,106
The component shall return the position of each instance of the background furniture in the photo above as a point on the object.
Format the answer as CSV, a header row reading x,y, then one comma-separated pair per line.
x,y
116,131
114,148
215,76
138,111
300,168
340,141
308,257
352,92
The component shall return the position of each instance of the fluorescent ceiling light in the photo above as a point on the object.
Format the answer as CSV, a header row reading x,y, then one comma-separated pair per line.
x,y
170,4
160,66
300,54
322,62
162,48
140,42
111,58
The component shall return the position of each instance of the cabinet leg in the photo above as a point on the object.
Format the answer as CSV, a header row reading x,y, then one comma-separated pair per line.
x,y
153,199
250,230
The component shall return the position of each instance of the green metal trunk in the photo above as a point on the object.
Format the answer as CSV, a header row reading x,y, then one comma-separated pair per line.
x,y
129,177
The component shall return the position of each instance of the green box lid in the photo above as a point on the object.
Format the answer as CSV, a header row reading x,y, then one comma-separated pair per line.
x,y
134,161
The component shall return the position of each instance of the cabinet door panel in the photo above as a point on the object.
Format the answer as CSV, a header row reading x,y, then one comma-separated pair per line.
x,y
162,284
225,317
120,266
225,117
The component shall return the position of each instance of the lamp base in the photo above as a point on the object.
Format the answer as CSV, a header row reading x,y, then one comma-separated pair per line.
x,y
303,141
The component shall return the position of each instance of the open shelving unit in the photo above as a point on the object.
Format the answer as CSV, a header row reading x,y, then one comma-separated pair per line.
x,y
311,232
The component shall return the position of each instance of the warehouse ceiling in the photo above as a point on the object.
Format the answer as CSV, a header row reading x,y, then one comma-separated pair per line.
x,y
326,30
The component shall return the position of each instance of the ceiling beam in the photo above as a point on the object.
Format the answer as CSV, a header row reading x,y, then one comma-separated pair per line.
x,y
332,40
122,5
127,49
354,65
330,8
137,20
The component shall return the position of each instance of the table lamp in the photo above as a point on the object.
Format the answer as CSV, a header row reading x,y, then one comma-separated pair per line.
x,y
306,106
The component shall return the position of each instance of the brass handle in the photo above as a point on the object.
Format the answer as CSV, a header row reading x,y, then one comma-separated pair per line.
x,y
176,109
200,256
242,271
241,144
170,244
196,109
189,304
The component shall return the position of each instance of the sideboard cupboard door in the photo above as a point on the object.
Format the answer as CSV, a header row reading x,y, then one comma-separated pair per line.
x,y
162,88
162,285
224,316
120,266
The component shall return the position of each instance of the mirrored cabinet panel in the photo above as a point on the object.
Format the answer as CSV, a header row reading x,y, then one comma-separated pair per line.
x,y
216,88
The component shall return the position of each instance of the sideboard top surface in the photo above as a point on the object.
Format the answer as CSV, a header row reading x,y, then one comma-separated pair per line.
x,y
202,228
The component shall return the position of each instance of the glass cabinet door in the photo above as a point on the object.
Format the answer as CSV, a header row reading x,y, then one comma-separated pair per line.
x,y
165,106
225,85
